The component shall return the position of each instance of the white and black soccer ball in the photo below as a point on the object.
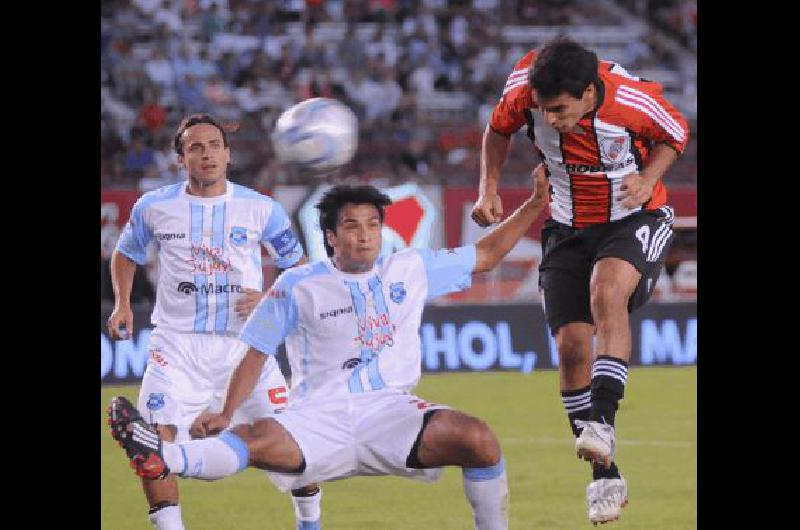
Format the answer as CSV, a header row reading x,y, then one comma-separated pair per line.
x,y
317,135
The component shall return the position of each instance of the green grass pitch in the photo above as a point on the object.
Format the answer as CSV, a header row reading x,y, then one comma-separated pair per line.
x,y
656,452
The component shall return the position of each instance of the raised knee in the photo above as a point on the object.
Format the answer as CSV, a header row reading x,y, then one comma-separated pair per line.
x,y
483,444
607,296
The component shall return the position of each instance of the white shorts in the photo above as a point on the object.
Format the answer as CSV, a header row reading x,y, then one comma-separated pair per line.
x,y
188,373
372,434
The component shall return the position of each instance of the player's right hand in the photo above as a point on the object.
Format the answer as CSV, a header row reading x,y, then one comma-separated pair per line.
x,y
122,316
209,424
488,210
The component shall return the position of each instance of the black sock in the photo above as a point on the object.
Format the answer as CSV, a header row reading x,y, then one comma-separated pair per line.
x,y
577,404
159,506
609,375
598,471
303,492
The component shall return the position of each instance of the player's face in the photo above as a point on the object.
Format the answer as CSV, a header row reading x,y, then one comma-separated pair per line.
x,y
357,240
563,112
205,156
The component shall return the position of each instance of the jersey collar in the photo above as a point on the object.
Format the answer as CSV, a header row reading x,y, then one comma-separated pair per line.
x,y
207,200
349,275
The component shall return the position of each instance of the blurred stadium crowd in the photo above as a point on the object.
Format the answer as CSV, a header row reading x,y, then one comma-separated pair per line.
x,y
422,75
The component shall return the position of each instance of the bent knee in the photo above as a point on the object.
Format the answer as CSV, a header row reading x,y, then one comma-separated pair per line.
x,y
608,295
483,444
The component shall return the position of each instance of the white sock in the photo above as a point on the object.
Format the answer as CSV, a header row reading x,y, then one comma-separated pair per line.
x,y
308,510
207,459
487,492
167,518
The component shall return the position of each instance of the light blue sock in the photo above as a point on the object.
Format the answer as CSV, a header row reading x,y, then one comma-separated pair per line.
x,y
487,492
209,458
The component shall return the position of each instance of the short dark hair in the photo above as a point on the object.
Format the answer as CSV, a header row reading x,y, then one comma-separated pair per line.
x,y
334,199
196,119
563,65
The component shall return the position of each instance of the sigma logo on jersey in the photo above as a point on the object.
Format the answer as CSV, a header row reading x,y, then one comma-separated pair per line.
x,y
284,242
585,168
238,235
189,288
335,312
612,148
169,237
155,401
397,292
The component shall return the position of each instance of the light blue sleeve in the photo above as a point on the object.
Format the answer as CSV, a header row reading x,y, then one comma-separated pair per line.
x,y
448,269
272,320
136,235
280,239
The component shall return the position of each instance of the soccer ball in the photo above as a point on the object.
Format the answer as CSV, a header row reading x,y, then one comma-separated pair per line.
x,y
317,135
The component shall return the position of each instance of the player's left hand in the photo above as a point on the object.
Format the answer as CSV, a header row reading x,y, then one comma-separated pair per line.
x,y
636,190
197,429
247,302
208,424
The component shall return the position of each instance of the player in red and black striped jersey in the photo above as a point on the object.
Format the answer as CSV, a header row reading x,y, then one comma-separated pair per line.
x,y
606,138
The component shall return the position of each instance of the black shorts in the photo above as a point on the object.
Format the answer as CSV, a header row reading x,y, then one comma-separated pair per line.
x,y
569,254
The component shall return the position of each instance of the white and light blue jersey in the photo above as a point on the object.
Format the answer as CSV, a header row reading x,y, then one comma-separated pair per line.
x,y
352,333
209,250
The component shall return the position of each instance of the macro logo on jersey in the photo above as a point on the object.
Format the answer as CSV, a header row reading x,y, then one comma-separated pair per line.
x,y
169,237
187,287
613,147
351,363
284,242
397,292
238,235
209,288
336,312
155,401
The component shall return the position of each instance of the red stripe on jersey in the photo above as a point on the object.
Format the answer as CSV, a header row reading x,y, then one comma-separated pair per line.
x,y
591,199
591,193
579,146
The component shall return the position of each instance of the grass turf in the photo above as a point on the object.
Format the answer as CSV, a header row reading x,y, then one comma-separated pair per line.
x,y
656,452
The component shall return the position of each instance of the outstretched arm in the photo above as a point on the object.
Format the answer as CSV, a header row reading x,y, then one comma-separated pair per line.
x,y
489,209
492,247
243,381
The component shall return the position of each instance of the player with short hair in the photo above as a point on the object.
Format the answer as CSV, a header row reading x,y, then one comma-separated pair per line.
x,y
351,328
607,138
209,232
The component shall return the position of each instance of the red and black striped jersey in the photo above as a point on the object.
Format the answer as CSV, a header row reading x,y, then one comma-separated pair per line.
x,y
588,164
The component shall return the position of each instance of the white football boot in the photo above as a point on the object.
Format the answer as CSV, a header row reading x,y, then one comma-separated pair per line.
x,y
605,499
596,442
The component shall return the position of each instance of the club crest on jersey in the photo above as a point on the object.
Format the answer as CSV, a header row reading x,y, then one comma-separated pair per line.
x,y
614,147
155,401
238,235
397,292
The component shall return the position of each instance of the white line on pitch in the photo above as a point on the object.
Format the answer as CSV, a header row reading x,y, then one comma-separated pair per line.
x,y
544,440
